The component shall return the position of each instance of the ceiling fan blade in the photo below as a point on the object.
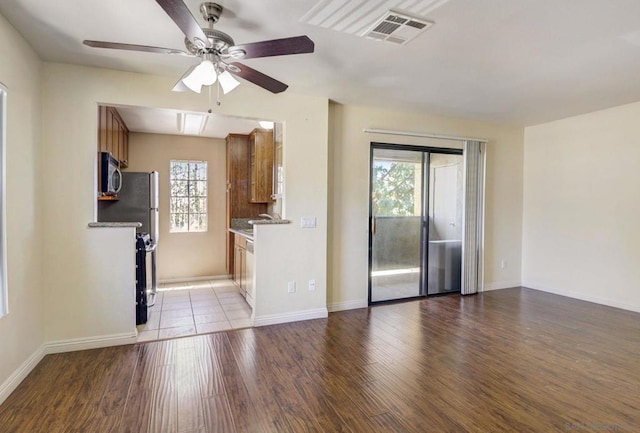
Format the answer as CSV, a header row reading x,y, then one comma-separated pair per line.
x,y
133,47
180,14
275,47
258,78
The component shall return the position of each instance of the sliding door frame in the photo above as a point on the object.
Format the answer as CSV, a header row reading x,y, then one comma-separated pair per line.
x,y
424,230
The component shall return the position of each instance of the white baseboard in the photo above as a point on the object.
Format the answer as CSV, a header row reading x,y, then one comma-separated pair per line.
x,y
60,346
274,319
499,285
185,280
582,296
75,344
347,305
21,373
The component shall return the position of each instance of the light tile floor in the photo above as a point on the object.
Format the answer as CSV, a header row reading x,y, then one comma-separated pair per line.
x,y
197,307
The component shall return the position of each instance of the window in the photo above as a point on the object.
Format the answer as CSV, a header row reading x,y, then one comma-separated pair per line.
x,y
188,208
4,305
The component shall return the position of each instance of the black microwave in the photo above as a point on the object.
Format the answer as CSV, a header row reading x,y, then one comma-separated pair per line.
x,y
111,177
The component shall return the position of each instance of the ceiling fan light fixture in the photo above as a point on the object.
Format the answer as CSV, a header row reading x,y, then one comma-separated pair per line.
x,y
192,85
203,75
213,47
227,82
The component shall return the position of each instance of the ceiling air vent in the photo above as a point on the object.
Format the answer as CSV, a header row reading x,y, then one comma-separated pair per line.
x,y
397,28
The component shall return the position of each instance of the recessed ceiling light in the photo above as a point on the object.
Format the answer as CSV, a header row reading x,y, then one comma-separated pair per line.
x,y
192,123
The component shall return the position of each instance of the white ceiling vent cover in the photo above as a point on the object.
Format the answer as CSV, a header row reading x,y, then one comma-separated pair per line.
x,y
397,28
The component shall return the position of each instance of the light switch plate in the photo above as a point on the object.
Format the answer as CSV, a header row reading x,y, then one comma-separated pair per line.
x,y
308,222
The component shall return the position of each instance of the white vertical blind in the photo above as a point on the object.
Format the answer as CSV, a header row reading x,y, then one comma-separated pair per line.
x,y
473,222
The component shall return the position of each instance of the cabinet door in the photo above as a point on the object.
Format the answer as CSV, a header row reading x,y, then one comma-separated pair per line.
x,y
109,135
253,170
261,166
236,264
238,195
124,161
243,273
118,139
249,278
102,129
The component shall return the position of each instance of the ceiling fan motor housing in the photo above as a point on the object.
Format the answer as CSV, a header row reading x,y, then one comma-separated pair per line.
x,y
211,11
220,41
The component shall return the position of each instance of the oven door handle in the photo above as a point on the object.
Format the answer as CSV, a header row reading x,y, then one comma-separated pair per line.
x,y
151,248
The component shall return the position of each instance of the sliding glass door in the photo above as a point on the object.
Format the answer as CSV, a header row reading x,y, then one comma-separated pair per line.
x,y
444,252
416,219
396,224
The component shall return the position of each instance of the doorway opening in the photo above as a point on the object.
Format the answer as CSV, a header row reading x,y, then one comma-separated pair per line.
x,y
416,215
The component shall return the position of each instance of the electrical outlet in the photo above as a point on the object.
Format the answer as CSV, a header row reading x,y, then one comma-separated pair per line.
x,y
308,222
291,287
312,285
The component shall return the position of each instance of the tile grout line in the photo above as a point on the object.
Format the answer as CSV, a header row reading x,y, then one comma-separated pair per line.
x,y
189,292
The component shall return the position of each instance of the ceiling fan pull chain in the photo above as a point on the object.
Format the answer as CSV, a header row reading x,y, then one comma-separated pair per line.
x,y
218,97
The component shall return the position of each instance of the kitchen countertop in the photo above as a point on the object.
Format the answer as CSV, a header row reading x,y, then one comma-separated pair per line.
x,y
244,226
266,222
246,233
105,224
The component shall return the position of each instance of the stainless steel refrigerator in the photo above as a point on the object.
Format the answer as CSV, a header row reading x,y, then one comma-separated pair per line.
x,y
137,202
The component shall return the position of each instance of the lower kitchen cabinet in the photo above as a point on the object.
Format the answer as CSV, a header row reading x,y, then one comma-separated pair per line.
x,y
239,263
249,286
243,267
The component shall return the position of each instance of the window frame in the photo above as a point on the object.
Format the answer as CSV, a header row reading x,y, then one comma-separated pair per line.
x,y
4,301
189,180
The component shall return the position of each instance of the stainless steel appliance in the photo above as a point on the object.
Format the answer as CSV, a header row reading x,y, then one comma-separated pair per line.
x,y
110,175
142,311
137,202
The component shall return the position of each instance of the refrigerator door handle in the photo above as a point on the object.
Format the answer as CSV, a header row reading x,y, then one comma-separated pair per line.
x,y
153,188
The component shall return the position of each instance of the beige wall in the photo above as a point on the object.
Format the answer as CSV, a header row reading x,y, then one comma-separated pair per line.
x,y
21,331
185,255
349,193
581,207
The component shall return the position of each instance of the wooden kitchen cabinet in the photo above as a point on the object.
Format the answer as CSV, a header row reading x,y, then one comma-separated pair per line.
x,y
261,166
240,266
113,135
238,200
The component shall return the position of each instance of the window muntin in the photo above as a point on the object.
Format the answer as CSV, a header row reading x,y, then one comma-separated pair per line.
x,y
188,196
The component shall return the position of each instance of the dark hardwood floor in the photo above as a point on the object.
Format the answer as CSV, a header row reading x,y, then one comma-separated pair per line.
x,y
513,360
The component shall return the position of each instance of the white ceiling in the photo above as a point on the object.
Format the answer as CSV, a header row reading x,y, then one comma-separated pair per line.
x,y
510,61
166,121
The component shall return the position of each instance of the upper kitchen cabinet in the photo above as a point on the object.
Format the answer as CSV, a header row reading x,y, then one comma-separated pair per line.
x,y
113,135
261,166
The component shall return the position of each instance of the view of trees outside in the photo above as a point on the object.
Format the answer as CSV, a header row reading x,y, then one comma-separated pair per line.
x,y
188,196
394,187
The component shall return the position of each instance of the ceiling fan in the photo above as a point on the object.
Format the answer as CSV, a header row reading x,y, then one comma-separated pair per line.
x,y
216,50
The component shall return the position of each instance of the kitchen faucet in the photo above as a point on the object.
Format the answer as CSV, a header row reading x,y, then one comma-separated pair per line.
x,y
266,215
